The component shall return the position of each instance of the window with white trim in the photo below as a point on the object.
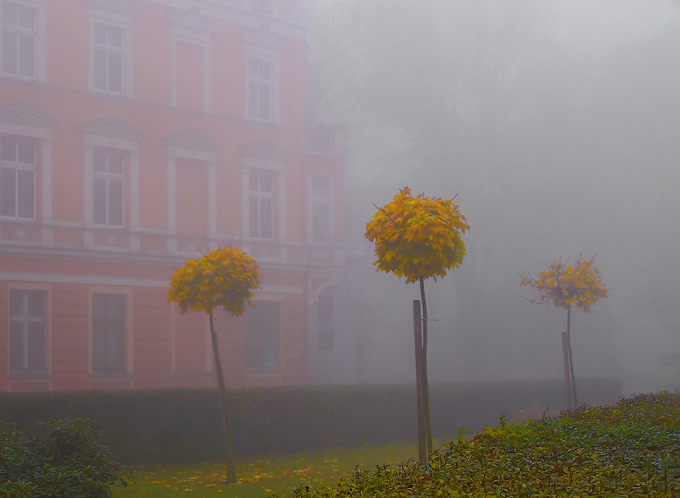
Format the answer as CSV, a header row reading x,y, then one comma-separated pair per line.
x,y
262,337
324,322
261,89
28,310
109,322
320,209
19,40
261,205
108,58
17,178
108,187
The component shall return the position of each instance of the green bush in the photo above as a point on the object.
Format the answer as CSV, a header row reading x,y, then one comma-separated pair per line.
x,y
64,463
184,426
630,449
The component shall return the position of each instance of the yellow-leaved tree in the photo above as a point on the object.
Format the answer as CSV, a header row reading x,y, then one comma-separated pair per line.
x,y
568,286
223,278
417,237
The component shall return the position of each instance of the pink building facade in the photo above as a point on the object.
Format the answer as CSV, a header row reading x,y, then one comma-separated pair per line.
x,y
135,134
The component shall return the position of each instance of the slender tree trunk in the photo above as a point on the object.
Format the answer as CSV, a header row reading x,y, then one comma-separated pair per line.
x,y
571,359
418,338
426,388
568,393
224,405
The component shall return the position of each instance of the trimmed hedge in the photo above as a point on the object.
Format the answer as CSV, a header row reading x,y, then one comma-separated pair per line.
x,y
183,425
628,449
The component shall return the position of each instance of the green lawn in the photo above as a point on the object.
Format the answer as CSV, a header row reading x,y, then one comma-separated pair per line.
x,y
260,477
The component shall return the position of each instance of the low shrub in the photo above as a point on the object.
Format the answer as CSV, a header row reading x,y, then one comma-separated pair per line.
x,y
66,462
631,449
184,425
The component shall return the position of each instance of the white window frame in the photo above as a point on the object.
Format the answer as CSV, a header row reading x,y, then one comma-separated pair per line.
x,y
17,167
260,196
314,200
25,372
110,52
325,325
128,349
277,168
109,177
22,121
38,33
112,134
261,45
118,15
250,316
273,86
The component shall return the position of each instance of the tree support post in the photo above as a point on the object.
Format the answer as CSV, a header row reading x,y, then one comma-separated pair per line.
x,y
567,372
571,359
224,406
426,384
418,337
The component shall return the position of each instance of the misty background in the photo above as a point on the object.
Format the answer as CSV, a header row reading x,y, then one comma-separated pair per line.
x,y
557,126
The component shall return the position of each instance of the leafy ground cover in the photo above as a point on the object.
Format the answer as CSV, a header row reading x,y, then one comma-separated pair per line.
x,y
260,477
629,449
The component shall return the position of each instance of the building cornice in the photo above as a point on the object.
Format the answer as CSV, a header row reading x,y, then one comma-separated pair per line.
x,y
119,281
157,260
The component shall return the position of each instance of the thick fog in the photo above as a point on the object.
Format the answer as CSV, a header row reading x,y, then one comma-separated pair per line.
x,y
557,125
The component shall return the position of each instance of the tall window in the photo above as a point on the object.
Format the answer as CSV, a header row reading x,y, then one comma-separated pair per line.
x,y
324,321
17,178
108,58
260,89
262,337
27,331
320,207
18,40
261,205
108,332
108,187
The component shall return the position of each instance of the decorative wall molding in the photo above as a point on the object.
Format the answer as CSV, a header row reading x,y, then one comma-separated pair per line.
x,y
112,127
107,281
263,150
25,114
192,139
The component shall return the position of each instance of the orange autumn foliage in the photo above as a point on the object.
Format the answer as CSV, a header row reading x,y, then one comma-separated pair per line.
x,y
223,278
417,237
578,286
